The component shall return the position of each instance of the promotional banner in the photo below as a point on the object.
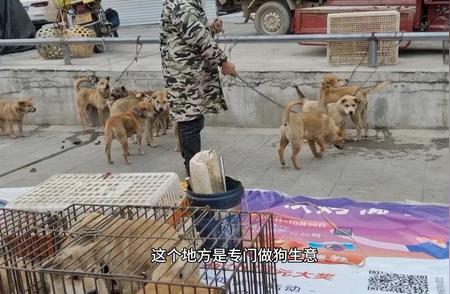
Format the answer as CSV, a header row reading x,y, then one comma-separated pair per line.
x,y
362,247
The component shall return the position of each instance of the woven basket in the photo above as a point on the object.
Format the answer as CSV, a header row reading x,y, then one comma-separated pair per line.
x,y
62,4
80,50
355,52
49,51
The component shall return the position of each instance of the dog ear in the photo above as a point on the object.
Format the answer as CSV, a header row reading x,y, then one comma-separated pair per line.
x,y
22,103
107,78
343,101
329,79
123,88
357,100
95,79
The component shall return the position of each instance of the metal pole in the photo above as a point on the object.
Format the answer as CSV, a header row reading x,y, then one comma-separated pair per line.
x,y
444,52
373,48
415,36
66,54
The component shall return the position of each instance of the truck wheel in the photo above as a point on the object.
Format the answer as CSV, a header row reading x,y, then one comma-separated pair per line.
x,y
273,18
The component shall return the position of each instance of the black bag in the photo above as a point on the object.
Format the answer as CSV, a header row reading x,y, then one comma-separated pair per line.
x,y
113,17
15,24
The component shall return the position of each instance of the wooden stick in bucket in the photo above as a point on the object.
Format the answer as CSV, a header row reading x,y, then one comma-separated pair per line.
x,y
224,180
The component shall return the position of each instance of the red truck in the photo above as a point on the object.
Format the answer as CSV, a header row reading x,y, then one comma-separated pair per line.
x,y
276,17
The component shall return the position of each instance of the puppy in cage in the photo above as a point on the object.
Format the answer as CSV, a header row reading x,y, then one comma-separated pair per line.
x,y
75,285
108,249
159,288
111,248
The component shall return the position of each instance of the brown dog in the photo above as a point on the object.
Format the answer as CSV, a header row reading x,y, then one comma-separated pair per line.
x,y
96,97
163,121
333,94
13,112
309,105
122,105
122,92
119,92
122,126
159,110
161,107
314,127
332,80
329,81
344,107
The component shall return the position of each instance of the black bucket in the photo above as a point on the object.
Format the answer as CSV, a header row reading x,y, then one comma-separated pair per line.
x,y
224,230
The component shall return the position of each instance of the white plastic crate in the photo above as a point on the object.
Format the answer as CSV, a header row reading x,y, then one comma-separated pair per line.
x,y
356,52
62,190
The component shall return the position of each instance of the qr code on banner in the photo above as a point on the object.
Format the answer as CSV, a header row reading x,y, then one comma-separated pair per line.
x,y
398,283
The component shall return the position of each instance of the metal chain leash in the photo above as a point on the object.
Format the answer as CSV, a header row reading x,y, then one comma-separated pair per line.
x,y
397,46
139,46
378,65
257,91
243,80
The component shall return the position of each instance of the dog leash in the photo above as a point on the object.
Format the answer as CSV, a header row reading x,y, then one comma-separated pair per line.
x,y
139,46
243,80
377,66
259,92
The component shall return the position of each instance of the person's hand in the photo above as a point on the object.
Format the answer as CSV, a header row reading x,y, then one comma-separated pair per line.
x,y
217,26
229,69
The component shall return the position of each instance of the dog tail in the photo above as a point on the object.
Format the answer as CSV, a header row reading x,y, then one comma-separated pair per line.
x,y
375,88
78,83
288,108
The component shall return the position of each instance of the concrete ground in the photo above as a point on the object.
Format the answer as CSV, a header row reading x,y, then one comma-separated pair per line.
x,y
392,165
426,56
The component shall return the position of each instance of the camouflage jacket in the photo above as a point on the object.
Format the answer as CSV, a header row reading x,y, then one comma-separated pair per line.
x,y
190,60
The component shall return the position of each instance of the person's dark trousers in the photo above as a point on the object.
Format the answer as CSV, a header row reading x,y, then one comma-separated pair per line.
x,y
190,141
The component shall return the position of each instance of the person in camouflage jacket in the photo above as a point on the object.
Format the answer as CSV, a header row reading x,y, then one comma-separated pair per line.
x,y
190,60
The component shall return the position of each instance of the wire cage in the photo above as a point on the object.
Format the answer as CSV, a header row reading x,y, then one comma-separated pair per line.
x,y
104,249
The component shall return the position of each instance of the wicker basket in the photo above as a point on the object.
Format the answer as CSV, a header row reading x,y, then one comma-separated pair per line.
x,y
356,52
80,50
49,51
64,4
